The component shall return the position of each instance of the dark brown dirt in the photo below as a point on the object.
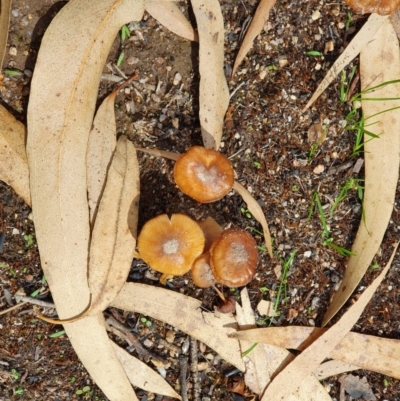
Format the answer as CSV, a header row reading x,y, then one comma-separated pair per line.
x,y
267,144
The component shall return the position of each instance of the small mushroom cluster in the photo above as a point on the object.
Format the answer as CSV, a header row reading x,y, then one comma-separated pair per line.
x,y
175,245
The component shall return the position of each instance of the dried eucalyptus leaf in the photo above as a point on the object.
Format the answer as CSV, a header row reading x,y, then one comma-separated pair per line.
x,y
13,162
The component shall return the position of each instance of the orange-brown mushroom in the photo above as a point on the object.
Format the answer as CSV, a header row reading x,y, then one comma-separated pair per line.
x,y
381,7
202,274
171,245
234,258
204,174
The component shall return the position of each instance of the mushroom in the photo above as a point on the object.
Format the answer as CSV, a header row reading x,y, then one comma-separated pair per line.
x,y
204,174
203,277
234,258
202,274
381,7
211,229
170,245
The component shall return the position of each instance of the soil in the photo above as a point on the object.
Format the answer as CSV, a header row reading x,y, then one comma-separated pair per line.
x,y
267,142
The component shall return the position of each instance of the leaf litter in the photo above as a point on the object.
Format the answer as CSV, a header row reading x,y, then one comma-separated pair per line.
x,y
78,346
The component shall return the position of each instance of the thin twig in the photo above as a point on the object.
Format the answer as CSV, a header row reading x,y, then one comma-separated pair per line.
x,y
183,361
34,301
194,369
12,308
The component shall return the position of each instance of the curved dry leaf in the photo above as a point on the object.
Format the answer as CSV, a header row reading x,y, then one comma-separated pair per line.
x,y
114,233
185,314
364,35
367,352
5,8
256,211
257,24
379,62
256,375
214,92
170,15
140,375
90,341
264,361
101,145
333,368
292,376
60,114
13,162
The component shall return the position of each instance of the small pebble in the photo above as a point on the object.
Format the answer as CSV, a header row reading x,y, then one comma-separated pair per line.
x,y
12,51
307,254
15,12
202,366
29,278
315,15
170,336
177,79
319,169
15,231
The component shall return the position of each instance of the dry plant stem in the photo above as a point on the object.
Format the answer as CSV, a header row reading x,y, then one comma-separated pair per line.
x,y
220,294
8,310
183,362
127,336
34,301
194,369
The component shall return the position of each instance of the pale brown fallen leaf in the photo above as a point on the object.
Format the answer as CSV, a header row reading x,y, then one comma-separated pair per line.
x,y
266,308
170,15
5,9
333,368
257,24
364,35
140,375
381,157
60,115
367,352
256,375
185,314
100,148
13,162
214,93
114,233
256,211
264,361
293,375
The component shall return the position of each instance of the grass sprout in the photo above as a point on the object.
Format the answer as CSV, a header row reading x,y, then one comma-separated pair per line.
x,y
351,183
326,238
345,83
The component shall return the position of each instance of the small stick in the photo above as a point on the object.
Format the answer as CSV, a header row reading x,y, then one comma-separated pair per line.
x,y
27,300
3,312
127,335
34,301
194,369
183,361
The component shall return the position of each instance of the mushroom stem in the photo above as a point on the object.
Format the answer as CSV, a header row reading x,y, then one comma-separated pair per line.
x,y
164,277
220,294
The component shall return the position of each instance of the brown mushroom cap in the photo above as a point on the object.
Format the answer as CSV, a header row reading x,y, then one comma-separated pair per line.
x,y
381,7
234,258
202,274
170,246
204,174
